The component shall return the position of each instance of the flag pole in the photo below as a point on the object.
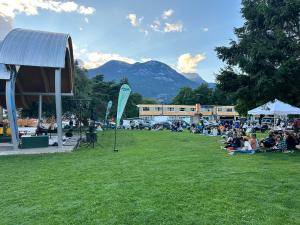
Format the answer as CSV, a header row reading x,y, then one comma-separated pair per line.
x,y
122,101
115,144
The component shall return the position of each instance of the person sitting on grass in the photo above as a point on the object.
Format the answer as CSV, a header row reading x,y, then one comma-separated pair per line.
x,y
215,131
254,142
298,141
222,129
234,143
268,142
290,141
280,144
250,146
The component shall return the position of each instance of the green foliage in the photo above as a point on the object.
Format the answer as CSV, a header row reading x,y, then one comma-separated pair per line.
x,y
263,63
95,89
131,109
184,97
149,101
82,90
156,178
203,95
103,91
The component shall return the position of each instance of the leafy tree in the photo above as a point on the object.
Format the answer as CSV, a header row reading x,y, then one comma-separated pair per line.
x,y
263,63
98,91
149,101
185,96
131,109
203,95
82,90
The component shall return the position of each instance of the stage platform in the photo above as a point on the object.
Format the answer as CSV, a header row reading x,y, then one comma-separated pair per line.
x,y
69,145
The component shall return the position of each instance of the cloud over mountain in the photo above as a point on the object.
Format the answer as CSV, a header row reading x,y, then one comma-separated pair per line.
x,y
187,63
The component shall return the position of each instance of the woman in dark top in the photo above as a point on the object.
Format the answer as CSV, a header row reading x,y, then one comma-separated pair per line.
x,y
268,142
290,141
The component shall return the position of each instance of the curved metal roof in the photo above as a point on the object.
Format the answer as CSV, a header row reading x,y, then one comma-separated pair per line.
x,y
35,48
38,54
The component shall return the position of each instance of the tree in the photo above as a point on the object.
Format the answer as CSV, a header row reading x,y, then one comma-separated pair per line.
x,y
82,90
203,95
149,101
263,63
131,109
184,97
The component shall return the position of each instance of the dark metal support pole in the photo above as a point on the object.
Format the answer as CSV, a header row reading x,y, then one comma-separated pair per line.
x,y
80,119
115,144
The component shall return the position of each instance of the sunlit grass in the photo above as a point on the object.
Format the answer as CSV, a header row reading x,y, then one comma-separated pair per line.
x,y
155,178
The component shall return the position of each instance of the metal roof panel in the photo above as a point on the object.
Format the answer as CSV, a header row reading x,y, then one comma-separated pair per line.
x,y
34,48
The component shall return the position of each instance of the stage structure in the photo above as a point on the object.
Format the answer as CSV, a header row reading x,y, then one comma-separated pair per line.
x,y
35,65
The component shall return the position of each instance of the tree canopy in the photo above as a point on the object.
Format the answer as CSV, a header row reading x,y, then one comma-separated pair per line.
x,y
263,63
95,89
203,95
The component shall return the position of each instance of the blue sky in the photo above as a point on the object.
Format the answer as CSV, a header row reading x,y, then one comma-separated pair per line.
x,y
137,30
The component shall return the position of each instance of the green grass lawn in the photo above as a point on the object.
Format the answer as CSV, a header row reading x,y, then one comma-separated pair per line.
x,y
155,178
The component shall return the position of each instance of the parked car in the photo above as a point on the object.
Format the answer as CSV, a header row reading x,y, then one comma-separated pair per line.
x,y
267,120
165,125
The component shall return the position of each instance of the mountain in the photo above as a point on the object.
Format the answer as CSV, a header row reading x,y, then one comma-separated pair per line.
x,y
195,77
152,79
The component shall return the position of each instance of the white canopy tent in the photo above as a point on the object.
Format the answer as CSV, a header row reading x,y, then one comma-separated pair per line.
x,y
275,107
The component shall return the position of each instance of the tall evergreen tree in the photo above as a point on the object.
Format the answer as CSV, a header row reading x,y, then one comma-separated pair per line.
x,y
263,63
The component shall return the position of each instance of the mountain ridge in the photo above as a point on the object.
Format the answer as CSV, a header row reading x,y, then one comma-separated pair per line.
x,y
152,79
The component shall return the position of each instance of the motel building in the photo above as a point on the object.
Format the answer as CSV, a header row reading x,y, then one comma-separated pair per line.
x,y
166,112
215,112
188,113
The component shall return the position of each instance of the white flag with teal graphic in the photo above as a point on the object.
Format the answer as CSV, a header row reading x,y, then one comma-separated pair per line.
x,y
109,105
122,101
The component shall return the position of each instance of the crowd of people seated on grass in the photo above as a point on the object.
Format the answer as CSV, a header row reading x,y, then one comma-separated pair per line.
x,y
214,130
248,127
237,141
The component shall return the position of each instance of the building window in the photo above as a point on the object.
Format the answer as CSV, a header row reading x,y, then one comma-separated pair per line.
x,y
171,109
229,109
219,109
146,109
193,109
157,108
182,109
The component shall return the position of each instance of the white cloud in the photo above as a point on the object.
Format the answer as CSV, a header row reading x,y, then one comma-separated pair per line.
x,y
166,14
75,47
86,10
96,59
173,27
145,59
80,28
187,63
83,51
134,20
146,32
86,19
155,25
205,29
10,8
167,27
5,26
